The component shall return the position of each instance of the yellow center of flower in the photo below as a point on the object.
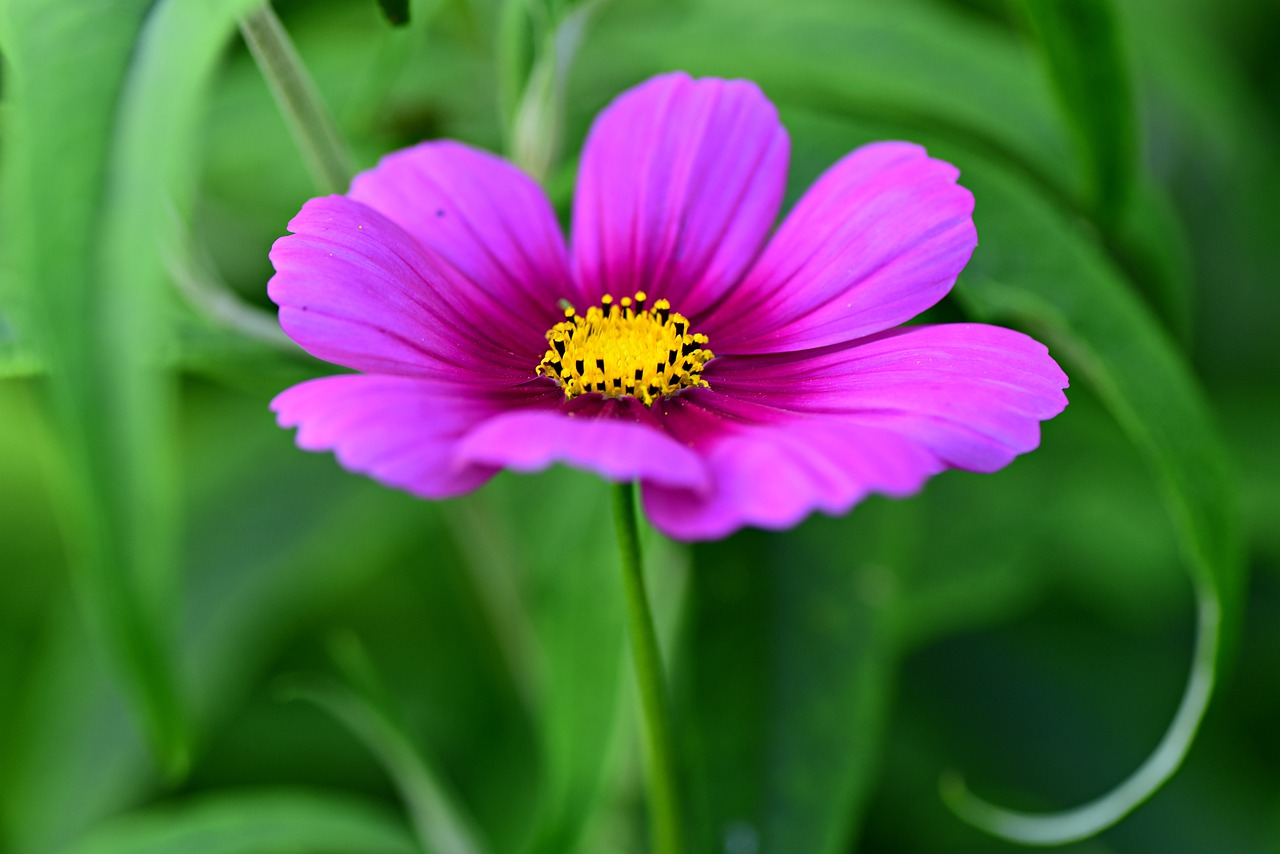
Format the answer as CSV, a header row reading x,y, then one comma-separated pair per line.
x,y
624,349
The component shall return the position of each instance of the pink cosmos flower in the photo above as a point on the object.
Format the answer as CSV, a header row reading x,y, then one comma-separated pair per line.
x,y
742,378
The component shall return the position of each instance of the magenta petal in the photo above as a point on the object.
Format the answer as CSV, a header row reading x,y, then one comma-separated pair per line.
x,y
402,431
878,239
484,216
681,181
355,289
610,441
770,468
973,394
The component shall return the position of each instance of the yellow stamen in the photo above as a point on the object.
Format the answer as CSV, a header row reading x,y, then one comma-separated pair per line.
x,y
625,351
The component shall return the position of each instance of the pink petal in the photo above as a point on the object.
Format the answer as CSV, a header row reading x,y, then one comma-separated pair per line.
x,y
486,218
681,181
615,438
973,394
355,289
402,431
785,435
878,239
771,468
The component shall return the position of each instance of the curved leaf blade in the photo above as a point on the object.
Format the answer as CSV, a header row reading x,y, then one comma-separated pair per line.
x,y
1070,295
573,638
109,399
362,706
1083,50
272,822
784,684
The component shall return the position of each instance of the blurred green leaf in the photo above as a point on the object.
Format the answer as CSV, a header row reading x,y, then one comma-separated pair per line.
x,y
1087,59
514,57
1250,420
80,756
276,538
17,361
987,560
1212,139
317,137
267,822
783,687
924,71
17,356
96,328
1150,244
95,266
1066,292
553,537
101,171
396,11
537,123
361,705
923,67
1071,296
1083,49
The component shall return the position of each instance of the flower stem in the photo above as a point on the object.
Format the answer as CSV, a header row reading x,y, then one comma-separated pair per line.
x,y
663,793
313,128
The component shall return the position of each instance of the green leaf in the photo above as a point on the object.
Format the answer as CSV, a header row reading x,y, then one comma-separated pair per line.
x,y
317,137
783,686
927,72
537,125
1216,143
1151,246
1083,49
552,536
363,708
67,769
923,67
308,536
99,171
63,175
1068,293
267,822
277,539
17,361
1086,57
1041,268
396,11
17,356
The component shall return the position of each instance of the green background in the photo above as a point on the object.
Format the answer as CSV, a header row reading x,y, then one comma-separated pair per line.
x,y
212,642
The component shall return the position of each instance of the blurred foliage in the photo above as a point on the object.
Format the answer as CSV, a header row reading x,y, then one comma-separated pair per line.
x,y
171,567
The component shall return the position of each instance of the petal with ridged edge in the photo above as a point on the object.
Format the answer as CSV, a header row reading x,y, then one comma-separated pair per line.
x,y
787,434
878,239
356,289
770,468
402,431
973,394
486,218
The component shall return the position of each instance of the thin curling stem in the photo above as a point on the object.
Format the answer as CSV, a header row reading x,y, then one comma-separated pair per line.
x,y
314,131
664,801
1073,825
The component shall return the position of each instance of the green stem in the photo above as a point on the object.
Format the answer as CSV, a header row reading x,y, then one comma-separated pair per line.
x,y
1074,825
663,793
313,128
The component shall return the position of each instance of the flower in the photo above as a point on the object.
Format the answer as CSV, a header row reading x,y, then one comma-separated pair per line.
x,y
742,378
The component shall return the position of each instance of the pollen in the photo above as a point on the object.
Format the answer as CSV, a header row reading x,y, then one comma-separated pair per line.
x,y
625,349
